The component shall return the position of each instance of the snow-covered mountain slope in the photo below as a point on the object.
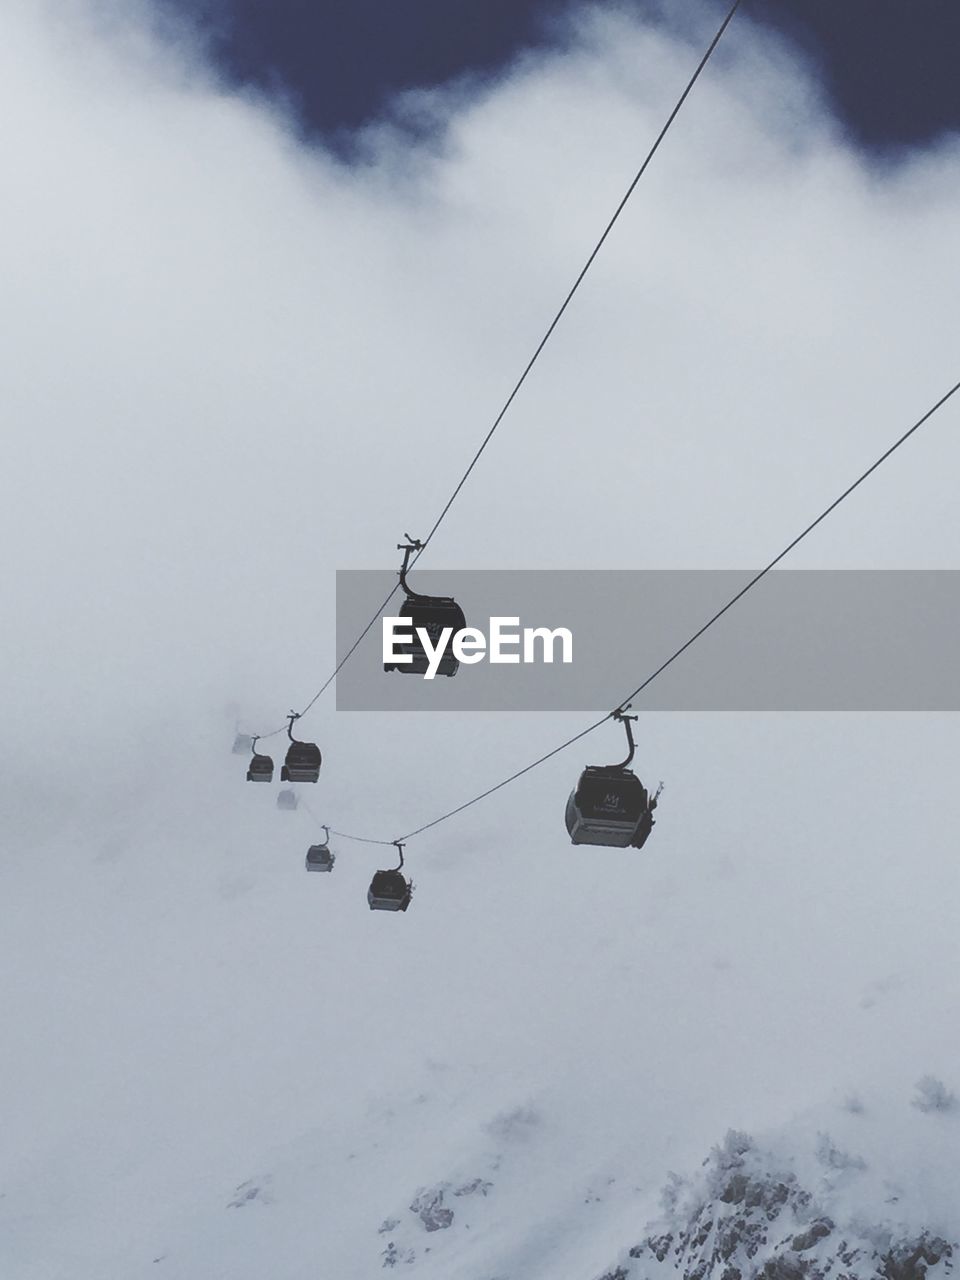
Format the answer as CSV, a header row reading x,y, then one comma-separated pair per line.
x,y
224,1063
749,1214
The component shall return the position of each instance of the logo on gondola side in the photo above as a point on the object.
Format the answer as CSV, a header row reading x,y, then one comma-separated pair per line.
x,y
469,645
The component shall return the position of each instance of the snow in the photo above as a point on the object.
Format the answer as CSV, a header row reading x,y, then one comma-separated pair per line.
x,y
225,1063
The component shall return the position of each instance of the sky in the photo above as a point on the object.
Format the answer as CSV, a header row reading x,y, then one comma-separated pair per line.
x,y
238,360
888,68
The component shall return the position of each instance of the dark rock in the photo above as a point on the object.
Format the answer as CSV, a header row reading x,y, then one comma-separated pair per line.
x,y
658,1245
470,1188
783,1268
816,1231
702,1233
392,1256
912,1260
430,1209
736,1189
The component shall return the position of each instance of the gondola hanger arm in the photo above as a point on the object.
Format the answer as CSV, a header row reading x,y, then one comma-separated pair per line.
x,y
412,544
621,715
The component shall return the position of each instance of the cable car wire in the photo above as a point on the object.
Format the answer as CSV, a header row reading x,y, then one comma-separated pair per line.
x,y
342,835
697,634
533,359
583,271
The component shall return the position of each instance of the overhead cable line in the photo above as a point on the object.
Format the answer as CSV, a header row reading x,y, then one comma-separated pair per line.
x,y
345,835
697,634
533,359
342,835
583,271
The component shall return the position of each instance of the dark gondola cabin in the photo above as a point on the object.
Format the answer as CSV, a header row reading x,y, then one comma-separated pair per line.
x,y
302,763
432,614
389,891
607,807
303,759
610,805
319,858
286,799
260,769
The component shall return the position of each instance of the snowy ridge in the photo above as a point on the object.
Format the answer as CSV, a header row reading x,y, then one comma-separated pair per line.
x,y
748,1215
515,1204
512,1111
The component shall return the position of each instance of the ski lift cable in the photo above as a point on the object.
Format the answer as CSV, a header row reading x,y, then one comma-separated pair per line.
x,y
535,357
583,271
697,634
342,835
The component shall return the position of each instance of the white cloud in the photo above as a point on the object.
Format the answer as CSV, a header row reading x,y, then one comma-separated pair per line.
x,y
211,332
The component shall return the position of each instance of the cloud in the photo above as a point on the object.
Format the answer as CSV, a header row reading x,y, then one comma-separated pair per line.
x,y
235,363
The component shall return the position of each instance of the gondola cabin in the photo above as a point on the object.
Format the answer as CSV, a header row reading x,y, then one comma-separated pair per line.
x,y
260,769
319,858
242,743
302,763
433,614
286,799
607,807
389,891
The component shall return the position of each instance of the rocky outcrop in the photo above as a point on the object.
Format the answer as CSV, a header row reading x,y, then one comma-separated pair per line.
x,y
745,1219
431,1208
815,1211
